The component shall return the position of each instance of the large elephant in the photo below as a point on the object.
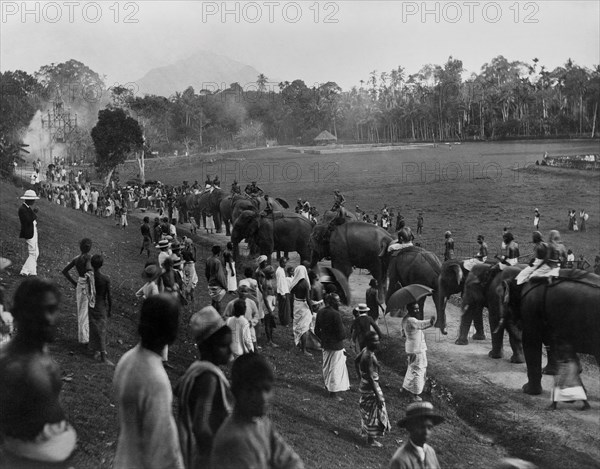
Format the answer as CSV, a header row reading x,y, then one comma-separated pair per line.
x,y
277,232
565,311
483,289
207,201
416,265
352,244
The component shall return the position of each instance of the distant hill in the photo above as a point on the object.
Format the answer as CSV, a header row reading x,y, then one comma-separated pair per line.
x,y
201,70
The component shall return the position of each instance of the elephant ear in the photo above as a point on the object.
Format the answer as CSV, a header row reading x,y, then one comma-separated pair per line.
x,y
253,223
504,293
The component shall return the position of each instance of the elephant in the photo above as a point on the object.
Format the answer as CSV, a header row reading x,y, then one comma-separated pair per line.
x,y
483,289
207,201
451,282
352,244
563,311
416,265
280,231
239,203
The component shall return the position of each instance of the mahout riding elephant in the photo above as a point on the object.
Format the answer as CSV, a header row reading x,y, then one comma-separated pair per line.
x,y
563,311
414,264
483,289
329,215
280,231
352,244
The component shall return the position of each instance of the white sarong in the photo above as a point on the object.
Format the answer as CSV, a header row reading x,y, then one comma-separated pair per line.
x,y
83,322
527,271
545,271
575,393
470,263
30,266
414,380
302,319
335,372
231,279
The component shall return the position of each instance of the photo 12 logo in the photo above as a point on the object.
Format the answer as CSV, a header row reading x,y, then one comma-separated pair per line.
x,y
470,12
270,12
70,12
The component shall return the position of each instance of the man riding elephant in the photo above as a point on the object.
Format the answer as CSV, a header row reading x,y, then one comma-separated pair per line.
x,y
481,255
235,188
512,251
405,240
339,200
253,190
539,254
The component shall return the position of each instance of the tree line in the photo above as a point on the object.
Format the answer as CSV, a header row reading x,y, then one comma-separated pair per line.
x,y
506,99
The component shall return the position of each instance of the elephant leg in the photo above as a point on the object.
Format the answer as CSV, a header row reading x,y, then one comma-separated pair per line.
x,y
440,306
478,323
465,325
516,344
497,334
532,347
548,337
421,309
227,227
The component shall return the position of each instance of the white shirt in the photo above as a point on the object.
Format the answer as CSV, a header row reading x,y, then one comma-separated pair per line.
x,y
241,342
415,339
283,286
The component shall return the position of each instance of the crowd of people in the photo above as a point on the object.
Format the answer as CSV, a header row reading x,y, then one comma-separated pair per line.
x,y
218,424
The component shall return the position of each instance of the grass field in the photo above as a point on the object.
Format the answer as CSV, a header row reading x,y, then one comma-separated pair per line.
x,y
325,432
470,189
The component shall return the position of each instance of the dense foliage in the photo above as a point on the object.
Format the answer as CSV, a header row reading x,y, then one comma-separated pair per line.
x,y
115,136
504,100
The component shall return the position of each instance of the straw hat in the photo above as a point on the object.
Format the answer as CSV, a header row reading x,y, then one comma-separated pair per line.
x,y
163,244
29,195
362,308
205,323
418,410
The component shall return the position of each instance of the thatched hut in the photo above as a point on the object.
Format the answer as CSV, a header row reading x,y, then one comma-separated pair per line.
x,y
324,138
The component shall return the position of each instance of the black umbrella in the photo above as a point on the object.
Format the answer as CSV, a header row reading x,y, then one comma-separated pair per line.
x,y
405,296
334,276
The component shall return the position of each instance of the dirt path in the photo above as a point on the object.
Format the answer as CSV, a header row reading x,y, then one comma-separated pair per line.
x,y
484,388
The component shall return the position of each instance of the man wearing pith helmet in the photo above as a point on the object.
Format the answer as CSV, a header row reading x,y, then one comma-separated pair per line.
x,y
28,219
419,420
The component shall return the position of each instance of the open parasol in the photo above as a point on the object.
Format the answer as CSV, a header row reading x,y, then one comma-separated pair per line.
x,y
405,296
334,276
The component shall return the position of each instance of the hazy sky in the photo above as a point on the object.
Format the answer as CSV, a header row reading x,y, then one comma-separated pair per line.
x,y
340,41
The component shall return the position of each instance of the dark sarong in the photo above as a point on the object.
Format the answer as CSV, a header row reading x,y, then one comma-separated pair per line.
x,y
284,309
97,330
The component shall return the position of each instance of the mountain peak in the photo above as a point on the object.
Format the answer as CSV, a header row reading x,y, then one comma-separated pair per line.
x,y
202,70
